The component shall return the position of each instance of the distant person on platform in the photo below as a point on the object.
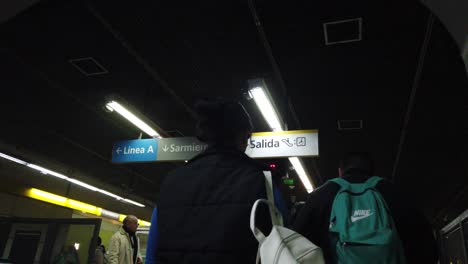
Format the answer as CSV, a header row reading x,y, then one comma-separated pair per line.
x,y
204,206
124,245
415,234
99,253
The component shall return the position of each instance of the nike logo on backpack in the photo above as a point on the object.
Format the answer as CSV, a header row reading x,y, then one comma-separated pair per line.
x,y
360,214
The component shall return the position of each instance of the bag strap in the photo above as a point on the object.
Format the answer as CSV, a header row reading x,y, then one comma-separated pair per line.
x,y
276,219
341,182
275,215
257,233
369,183
373,181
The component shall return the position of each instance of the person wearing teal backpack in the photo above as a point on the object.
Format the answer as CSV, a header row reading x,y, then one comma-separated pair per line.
x,y
361,218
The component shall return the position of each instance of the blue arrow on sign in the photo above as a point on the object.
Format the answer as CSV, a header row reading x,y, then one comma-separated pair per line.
x,y
139,150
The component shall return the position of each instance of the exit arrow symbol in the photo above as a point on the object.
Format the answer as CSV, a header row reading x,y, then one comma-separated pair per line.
x,y
165,148
118,150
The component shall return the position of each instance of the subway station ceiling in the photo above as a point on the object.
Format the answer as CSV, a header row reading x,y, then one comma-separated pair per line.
x,y
391,64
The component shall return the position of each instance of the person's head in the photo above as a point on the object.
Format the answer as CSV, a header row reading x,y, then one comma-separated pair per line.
x,y
130,223
99,241
223,122
356,163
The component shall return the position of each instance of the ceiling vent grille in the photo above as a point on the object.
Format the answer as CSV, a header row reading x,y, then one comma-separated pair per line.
x,y
349,124
343,31
89,66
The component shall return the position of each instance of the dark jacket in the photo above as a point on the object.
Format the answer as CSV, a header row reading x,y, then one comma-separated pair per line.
x,y
152,242
204,209
415,232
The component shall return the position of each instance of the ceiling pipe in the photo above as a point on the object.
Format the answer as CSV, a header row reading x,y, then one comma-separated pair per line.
x,y
416,83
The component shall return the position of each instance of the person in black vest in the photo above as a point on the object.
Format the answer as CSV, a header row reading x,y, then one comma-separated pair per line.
x,y
414,230
204,206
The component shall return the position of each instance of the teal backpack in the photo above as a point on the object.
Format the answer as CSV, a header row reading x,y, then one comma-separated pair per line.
x,y
361,226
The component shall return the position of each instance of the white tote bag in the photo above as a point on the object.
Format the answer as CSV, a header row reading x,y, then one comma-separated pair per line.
x,y
282,245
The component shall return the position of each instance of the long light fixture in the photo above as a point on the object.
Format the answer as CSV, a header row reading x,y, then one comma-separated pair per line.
x,y
46,171
72,180
296,162
115,106
266,108
10,158
133,202
76,205
269,113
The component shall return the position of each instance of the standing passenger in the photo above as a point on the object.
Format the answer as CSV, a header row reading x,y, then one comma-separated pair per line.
x,y
414,232
99,253
204,207
124,246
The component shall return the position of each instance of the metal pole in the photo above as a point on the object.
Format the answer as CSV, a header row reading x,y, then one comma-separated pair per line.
x,y
416,81
463,242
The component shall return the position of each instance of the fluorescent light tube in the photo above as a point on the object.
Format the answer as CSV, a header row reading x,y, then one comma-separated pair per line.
x,y
132,118
47,197
64,177
268,111
109,108
301,173
10,158
46,171
76,205
266,108
82,184
109,194
134,203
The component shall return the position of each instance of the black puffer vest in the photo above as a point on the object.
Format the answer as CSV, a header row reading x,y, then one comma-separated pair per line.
x,y
204,209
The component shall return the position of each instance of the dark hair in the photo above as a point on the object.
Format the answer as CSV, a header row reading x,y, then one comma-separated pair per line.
x,y
99,241
357,162
221,120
